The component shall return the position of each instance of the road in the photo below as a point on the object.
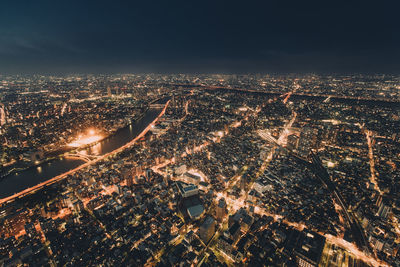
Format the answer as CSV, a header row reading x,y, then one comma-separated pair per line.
x,y
87,164
373,180
235,204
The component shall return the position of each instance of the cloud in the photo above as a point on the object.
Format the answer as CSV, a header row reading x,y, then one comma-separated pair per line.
x,y
12,45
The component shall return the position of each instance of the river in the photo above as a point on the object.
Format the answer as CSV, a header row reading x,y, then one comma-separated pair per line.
x,y
16,182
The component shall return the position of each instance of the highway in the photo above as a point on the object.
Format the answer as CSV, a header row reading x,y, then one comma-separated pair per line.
x,y
87,164
368,135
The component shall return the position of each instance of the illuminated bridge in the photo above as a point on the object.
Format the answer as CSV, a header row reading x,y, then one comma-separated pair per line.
x,y
81,156
155,105
159,102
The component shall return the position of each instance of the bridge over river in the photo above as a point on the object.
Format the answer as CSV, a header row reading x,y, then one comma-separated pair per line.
x,y
82,156
22,183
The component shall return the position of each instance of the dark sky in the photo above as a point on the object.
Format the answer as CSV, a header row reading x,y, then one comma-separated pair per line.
x,y
199,36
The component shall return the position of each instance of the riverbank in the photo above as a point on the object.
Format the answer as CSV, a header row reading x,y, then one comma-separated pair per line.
x,y
62,152
102,157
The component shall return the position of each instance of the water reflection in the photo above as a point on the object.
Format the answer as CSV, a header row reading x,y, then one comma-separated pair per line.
x,y
96,149
17,182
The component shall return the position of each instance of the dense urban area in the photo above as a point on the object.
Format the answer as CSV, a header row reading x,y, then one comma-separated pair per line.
x,y
236,170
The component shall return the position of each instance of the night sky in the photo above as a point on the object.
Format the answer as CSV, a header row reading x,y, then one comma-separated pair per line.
x,y
199,36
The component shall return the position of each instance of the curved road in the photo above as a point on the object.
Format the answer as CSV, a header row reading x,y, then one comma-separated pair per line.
x,y
89,163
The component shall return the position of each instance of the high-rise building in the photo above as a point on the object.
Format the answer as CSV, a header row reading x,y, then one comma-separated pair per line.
x,y
384,206
148,174
139,170
3,116
308,249
384,210
187,190
207,229
128,177
109,92
78,206
221,209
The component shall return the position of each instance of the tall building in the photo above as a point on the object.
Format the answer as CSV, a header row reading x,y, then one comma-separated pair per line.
x,y
173,102
384,206
187,190
308,249
147,174
78,206
207,229
384,210
128,177
221,210
109,92
3,116
243,182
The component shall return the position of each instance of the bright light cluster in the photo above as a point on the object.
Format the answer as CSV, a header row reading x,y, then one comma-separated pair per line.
x,y
90,137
